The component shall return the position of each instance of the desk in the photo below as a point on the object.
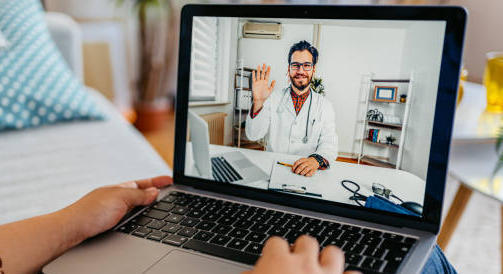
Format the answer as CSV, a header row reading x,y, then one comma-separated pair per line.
x,y
473,157
405,185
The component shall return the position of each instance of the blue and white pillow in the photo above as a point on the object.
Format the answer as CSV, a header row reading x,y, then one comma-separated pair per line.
x,y
36,85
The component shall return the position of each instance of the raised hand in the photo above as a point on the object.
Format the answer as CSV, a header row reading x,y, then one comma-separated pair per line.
x,y
260,86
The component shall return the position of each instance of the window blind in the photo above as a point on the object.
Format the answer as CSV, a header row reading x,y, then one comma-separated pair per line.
x,y
203,72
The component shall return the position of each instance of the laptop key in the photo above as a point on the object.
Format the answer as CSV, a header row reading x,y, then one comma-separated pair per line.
x,y
164,206
222,252
156,224
372,264
142,231
196,213
189,222
254,248
238,244
174,218
187,231
354,248
156,235
176,240
206,225
211,217
238,233
353,259
222,229
278,231
375,252
260,228
142,220
204,235
256,237
226,220
220,240
180,210
169,199
243,224
156,214
171,228
394,237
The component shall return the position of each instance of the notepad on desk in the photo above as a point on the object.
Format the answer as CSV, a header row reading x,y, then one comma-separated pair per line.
x,y
284,180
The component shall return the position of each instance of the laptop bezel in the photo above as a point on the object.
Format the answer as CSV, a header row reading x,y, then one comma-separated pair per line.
x,y
455,18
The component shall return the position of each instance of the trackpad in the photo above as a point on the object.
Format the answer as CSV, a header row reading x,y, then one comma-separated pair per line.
x,y
180,262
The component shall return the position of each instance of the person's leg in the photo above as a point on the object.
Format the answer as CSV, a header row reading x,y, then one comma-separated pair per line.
x,y
437,263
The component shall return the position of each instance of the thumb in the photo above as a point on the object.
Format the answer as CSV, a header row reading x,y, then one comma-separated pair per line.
x,y
272,85
136,197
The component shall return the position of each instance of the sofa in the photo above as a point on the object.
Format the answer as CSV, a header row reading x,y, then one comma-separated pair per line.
x,y
46,168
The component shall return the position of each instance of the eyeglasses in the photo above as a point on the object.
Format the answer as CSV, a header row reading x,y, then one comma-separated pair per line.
x,y
307,66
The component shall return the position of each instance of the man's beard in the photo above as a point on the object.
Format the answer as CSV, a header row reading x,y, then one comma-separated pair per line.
x,y
300,87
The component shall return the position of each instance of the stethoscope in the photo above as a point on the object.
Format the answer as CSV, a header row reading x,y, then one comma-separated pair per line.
x,y
305,139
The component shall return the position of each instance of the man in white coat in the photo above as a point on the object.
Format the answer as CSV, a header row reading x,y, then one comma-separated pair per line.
x,y
294,120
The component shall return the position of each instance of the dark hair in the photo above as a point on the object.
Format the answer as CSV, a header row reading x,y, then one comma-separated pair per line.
x,y
303,45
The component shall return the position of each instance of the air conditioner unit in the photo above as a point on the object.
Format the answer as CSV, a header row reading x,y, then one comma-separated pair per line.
x,y
262,30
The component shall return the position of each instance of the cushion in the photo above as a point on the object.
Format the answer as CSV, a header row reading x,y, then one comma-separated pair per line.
x,y
36,85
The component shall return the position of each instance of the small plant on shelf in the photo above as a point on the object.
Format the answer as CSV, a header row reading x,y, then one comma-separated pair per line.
x,y
390,139
317,85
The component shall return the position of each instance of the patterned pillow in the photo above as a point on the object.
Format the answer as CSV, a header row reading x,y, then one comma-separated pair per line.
x,y
36,85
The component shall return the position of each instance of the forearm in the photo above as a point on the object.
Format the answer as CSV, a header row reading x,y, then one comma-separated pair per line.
x,y
28,245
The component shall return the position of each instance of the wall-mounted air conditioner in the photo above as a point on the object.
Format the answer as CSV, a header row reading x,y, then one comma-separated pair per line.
x,y
262,30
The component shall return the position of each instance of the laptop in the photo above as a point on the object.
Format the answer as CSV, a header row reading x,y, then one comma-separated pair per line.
x,y
401,62
229,167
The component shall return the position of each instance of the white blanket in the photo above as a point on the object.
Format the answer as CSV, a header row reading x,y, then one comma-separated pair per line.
x,y
47,168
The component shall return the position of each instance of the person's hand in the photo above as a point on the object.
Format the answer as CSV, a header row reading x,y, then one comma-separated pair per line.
x,y
104,207
305,166
302,257
260,86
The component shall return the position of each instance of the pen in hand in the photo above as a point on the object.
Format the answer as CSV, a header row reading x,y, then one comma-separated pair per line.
x,y
284,164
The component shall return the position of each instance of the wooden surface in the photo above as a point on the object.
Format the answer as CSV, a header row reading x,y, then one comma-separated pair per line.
x,y
454,215
163,140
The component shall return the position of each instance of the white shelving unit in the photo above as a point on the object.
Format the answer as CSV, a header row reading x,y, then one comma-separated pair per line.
x,y
386,107
242,106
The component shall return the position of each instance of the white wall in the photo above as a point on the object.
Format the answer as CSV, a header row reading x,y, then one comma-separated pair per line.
x,y
483,34
422,54
347,52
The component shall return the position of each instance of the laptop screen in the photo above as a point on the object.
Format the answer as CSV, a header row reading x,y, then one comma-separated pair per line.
x,y
338,110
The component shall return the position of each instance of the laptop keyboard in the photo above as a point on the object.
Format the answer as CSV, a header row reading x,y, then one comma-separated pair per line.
x,y
223,171
237,232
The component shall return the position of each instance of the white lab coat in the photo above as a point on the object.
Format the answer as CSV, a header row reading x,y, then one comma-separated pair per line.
x,y
284,130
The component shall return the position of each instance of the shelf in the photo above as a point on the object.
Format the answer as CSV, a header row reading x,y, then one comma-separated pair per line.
x,y
380,144
243,88
390,80
396,102
376,162
385,125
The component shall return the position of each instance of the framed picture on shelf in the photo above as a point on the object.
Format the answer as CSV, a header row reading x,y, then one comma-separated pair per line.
x,y
385,94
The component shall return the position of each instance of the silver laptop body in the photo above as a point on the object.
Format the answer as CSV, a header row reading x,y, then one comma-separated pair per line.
x,y
203,160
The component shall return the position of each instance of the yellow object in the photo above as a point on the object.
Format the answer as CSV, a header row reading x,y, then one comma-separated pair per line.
x,y
493,81
463,78
284,164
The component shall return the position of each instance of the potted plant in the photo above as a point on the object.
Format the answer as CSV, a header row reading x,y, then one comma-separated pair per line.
x,y
158,41
317,85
